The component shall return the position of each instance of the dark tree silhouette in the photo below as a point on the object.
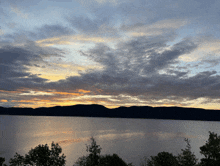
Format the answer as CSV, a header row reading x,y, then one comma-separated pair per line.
x,y
40,155
109,160
211,151
94,155
82,161
187,158
95,151
162,159
2,160
95,159
18,160
130,164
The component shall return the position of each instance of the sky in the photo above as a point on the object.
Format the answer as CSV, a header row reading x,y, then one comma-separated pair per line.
x,y
113,53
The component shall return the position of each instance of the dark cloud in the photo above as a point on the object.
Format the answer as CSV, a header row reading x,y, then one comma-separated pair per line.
x,y
14,62
168,57
140,55
133,69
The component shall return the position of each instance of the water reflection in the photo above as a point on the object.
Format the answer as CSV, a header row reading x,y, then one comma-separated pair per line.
x,y
131,139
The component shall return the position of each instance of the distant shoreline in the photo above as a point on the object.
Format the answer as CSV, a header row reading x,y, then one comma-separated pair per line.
x,y
137,112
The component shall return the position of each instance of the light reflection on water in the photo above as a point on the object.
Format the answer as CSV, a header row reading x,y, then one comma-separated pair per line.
x,y
131,139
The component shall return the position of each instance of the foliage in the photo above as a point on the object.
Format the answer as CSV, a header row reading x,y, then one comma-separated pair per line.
x,y
109,160
130,164
43,156
95,151
187,158
94,155
17,161
40,155
95,159
162,159
2,160
81,161
211,151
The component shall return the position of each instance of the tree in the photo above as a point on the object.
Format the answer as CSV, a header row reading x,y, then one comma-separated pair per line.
x,y
211,151
162,159
110,160
95,159
41,155
95,151
17,161
94,155
187,158
130,164
2,160
55,159
81,161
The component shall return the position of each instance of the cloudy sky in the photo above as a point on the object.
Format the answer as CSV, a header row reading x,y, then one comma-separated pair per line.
x,y
110,52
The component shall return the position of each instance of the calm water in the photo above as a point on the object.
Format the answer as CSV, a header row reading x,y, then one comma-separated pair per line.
x,y
131,139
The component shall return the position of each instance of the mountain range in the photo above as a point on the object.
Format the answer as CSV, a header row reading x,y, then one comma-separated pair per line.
x,y
139,112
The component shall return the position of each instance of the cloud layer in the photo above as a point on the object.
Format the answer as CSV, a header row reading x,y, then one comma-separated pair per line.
x,y
112,53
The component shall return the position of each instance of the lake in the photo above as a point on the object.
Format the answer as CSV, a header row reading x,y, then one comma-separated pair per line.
x,y
131,139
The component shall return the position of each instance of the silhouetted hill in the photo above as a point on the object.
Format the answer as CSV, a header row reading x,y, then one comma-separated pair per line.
x,y
94,110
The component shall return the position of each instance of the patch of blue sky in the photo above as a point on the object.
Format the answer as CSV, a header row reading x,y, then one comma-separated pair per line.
x,y
183,33
5,30
43,13
36,5
187,32
50,16
72,53
196,67
176,40
69,8
210,67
